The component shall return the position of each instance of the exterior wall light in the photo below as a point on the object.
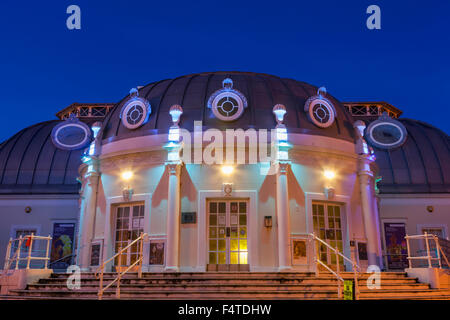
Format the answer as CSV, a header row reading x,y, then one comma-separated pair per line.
x,y
127,193
227,170
268,221
329,174
279,111
127,175
176,111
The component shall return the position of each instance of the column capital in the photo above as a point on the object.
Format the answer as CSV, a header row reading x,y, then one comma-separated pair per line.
x,y
91,177
174,168
283,166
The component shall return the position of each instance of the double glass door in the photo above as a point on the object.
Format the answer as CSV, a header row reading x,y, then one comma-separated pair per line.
x,y
328,227
129,225
227,228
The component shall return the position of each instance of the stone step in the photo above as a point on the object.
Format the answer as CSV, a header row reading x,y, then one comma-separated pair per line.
x,y
186,294
232,294
384,293
235,275
241,286
306,280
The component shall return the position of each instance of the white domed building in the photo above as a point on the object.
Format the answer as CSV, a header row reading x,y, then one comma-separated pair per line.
x,y
228,171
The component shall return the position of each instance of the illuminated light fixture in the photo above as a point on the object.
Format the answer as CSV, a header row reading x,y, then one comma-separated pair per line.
x,y
227,170
96,128
176,111
127,175
279,111
329,174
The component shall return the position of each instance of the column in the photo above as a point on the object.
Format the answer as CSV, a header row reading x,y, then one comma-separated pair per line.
x,y
284,230
87,214
173,218
370,215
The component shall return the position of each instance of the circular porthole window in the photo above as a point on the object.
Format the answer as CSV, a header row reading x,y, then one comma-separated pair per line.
x,y
135,113
386,133
320,111
227,104
71,134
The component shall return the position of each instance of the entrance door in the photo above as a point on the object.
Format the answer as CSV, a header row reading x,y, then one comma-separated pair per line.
x,y
129,225
227,228
327,226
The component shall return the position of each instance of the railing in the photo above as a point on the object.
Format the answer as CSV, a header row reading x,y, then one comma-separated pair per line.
x,y
120,273
28,257
62,259
440,254
336,273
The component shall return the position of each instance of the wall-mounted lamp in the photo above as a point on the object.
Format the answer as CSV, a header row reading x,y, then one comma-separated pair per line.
x,y
28,209
268,221
329,192
127,194
328,174
227,170
430,209
127,175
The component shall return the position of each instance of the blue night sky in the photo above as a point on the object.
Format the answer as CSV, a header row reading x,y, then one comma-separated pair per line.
x,y
45,67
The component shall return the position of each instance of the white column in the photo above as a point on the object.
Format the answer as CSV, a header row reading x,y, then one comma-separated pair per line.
x,y
283,223
87,214
173,218
370,215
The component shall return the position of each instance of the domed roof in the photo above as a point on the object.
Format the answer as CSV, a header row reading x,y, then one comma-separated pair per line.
x,y
420,165
261,91
31,164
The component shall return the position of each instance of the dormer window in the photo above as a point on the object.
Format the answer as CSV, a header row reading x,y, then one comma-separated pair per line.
x,y
227,104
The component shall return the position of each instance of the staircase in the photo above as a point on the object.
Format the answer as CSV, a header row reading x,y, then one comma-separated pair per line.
x,y
228,285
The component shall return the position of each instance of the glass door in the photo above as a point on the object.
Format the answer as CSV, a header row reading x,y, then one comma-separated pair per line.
x,y
227,228
129,225
328,227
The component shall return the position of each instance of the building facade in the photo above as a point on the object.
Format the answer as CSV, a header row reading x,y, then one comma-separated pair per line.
x,y
227,171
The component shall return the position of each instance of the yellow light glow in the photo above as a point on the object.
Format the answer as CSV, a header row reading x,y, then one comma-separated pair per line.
x,y
329,174
127,175
227,170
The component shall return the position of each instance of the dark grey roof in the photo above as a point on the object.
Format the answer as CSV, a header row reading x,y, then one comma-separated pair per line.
x,y
31,164
420,165
261,90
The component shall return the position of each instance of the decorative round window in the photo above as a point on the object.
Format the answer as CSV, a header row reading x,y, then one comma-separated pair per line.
x,y
227,104
320,111
135,113
386,133
71,134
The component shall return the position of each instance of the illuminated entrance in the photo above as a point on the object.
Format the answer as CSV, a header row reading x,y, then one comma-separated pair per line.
x,y
327,226
227,235
129,225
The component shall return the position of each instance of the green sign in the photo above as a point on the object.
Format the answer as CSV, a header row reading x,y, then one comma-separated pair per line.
x,y
349,290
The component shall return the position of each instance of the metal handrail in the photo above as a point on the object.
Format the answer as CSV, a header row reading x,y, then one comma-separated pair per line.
x,y
17,254
355,266
120,273
439,252
60,259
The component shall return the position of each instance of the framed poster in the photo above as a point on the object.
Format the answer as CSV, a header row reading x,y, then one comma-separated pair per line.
x,y
156,252
62,245
362,251
396,250
299,252
96,252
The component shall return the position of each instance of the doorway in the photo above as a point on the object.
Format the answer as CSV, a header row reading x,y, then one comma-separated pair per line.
x,y
227,235
129,225
328,227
